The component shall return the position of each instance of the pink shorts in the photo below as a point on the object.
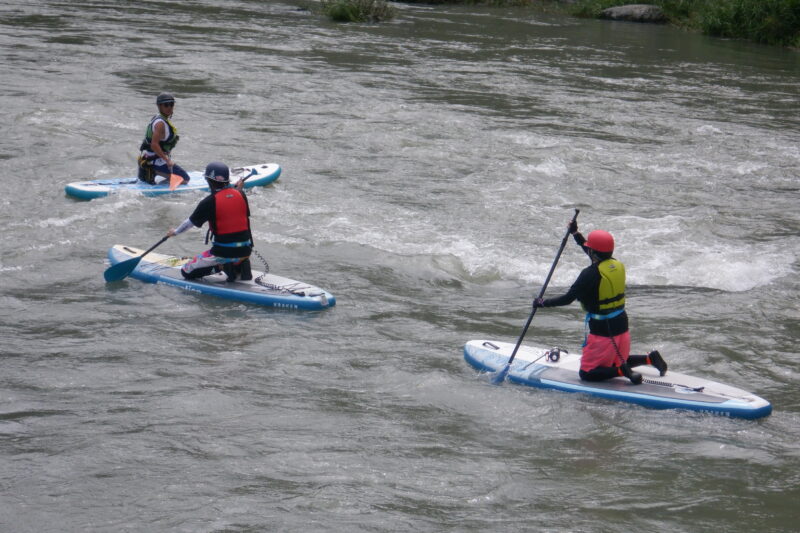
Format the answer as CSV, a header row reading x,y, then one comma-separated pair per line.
x,y
600,351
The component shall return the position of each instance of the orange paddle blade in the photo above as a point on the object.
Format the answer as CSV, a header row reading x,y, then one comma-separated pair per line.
x,y
174,181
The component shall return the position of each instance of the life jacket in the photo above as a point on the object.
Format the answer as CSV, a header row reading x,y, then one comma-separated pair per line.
x,y
230,214
172,135
611,294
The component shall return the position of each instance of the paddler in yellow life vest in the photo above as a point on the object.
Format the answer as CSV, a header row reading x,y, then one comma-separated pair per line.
x,y
600,288
155,163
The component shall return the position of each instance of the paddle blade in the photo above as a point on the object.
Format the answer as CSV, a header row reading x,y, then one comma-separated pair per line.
x,y
500,376
174,181
121,270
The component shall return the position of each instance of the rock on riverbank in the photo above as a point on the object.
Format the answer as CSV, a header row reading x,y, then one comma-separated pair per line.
x,y
635,13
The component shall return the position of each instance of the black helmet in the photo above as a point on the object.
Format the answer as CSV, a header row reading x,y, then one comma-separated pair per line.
x,y
217,174
165,98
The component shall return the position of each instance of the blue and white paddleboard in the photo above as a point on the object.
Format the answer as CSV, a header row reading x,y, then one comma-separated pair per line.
x,y
265,174
264,289
536,368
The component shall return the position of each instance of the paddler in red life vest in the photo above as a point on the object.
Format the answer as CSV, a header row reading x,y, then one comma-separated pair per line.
x,y
228,215
600,288
159,140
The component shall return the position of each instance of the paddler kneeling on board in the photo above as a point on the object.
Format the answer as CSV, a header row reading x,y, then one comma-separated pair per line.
x,y
228,215
159,140
600,288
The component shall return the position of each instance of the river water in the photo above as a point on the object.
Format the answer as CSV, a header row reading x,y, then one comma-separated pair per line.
x,y
430,166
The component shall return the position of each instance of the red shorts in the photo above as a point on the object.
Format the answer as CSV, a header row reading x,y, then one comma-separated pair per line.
x,y
600,351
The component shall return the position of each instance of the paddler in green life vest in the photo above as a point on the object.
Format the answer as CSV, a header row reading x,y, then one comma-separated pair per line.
x,y
600,288
155,163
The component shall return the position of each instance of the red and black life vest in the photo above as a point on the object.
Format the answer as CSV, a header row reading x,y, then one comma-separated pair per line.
x,y
230,213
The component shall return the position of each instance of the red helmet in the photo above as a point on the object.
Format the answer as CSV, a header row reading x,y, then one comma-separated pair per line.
x,y
600,241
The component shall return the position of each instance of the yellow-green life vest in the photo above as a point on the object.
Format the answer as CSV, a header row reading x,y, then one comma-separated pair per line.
x,y
611,295
172,135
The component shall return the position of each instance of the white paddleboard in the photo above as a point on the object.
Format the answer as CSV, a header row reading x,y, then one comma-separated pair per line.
x,y
265,174
537,367
264,289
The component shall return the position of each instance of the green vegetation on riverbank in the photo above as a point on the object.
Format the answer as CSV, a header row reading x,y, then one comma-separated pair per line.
x,y
774,22
358,10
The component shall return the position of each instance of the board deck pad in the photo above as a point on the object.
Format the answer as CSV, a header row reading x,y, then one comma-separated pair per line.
x,y
264,289
532,367
543,372
265,173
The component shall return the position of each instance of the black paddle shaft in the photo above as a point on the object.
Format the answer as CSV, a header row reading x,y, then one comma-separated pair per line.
x,y
544,287
156,245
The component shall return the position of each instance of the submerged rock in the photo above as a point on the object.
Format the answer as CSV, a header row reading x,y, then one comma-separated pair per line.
x,y
635,13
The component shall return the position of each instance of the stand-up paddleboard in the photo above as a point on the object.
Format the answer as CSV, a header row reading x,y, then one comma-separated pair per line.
x,y
557,369
264,174
264,289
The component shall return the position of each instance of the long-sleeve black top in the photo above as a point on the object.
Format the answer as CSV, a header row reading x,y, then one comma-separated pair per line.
x,y
586,289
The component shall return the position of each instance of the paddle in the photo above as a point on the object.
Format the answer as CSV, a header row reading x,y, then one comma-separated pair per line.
x,y
241,181
174,181
123,269
501,376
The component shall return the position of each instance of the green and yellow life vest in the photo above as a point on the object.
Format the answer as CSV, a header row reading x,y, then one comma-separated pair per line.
x,y
611,295
166,145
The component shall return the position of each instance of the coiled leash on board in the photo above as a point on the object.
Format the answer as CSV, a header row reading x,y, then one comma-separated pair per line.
x,y
271,286
260,279
646,380
266,265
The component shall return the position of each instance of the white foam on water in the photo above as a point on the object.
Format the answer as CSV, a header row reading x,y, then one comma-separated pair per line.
x,y
553,167
708,129
97,208
720,267
656,252
673,250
